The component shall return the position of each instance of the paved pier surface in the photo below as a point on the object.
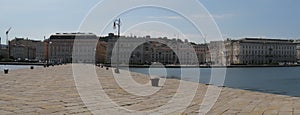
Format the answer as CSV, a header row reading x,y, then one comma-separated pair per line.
x,y
53,91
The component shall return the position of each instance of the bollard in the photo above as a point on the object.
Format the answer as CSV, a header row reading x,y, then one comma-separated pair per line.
x,y
154,82
45,65
106,68
117,70
102,66
31,67
5,71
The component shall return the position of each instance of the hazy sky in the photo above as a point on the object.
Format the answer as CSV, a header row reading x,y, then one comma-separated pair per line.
x,y
235,18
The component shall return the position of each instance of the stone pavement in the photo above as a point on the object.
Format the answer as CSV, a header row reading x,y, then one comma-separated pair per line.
x,y
53,91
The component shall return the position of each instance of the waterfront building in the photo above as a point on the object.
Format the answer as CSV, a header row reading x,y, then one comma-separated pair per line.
x,y
297,42
22,52
202,53
162,53
61,48
260,51
39,47
173,51
217,52
101,52
186,53
125,50
3,51
26,49
147,50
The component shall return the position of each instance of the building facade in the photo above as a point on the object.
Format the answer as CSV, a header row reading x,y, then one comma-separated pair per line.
x,y
162,53
3,51
202,53
101,52
21,52
40,52
298,53
216,53
260,51
75,47
26,49
125,50
297,42
146,50
185,52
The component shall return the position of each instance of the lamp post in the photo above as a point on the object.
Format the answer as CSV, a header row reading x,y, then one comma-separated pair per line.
x,y
48,52
7,32
117,24
45,52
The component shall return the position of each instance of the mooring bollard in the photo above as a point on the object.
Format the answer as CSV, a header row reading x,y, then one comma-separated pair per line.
x,y
5,71
117,70
31,67
154,82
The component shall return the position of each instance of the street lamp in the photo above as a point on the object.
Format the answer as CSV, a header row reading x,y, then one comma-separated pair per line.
x,y
45,52
7,32
48,52
117,24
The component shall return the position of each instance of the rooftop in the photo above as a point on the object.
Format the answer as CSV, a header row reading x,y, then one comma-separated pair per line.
x,y
263,40
266,39
73,35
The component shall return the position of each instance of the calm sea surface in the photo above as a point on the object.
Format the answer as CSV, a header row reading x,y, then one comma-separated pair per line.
x,y
14,67
276,80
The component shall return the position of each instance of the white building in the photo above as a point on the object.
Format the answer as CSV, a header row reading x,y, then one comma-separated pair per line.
x,y
125,50
260,51
298,50
217,53
186,53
